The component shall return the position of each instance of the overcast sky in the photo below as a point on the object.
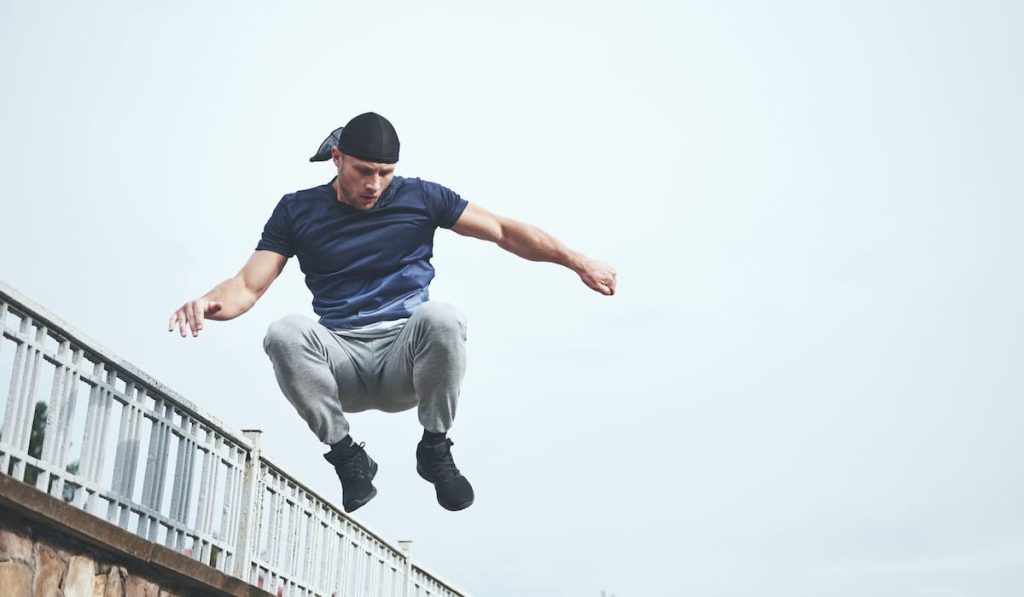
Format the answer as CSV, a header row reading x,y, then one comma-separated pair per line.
x,y
809,382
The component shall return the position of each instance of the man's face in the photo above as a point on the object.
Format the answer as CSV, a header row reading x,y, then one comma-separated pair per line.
x,y
360,184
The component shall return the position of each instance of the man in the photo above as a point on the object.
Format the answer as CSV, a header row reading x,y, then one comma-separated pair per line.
x,y
364,242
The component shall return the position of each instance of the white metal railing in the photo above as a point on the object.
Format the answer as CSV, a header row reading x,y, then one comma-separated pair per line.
x,y
90,428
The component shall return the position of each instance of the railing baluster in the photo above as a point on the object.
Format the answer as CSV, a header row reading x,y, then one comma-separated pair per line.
x,y
95,437
156,468
294,527
29,391
121,447
232,510
70,401
126,459
181,496
22,431
312,540
273,527
15,396
135,439
52,436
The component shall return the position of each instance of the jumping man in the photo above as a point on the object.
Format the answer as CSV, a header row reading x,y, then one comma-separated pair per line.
x,y
364,242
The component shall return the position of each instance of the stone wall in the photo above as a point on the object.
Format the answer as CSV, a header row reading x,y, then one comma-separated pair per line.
x,y
35,566
52,549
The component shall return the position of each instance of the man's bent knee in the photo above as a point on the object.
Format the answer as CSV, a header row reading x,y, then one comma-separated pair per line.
x,y
442,317
286,331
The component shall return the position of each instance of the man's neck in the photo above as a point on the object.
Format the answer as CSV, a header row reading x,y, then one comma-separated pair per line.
x,y
338,194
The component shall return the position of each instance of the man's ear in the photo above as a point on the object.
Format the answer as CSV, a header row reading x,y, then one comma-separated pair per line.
x,y
337,156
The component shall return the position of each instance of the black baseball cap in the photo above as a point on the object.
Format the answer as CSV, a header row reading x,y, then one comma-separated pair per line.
x,y
369,137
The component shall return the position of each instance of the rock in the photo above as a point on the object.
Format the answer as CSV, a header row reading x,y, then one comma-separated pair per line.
x,y
50,568
99,585
115,582
137,586
16,579
79,580
15,547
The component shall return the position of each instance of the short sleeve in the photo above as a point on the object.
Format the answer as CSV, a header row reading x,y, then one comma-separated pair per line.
x,y
277,231
444,204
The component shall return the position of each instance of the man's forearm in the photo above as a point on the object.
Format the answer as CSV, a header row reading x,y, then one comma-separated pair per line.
x,y
530,242
234,297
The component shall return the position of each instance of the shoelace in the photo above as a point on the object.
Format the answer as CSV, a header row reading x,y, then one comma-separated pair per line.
x,y
442,462
354,465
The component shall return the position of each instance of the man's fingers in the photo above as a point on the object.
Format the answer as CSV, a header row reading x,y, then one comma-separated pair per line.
x,y
603,284
604,288
197,318
178,320
190,319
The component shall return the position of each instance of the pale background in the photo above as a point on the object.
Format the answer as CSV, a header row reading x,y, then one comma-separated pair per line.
x,y
809,382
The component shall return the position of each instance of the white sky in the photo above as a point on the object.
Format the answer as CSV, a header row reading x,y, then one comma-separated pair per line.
x,y
809,382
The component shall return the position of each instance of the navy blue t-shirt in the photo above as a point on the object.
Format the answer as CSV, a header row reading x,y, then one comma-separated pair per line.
x,y
363,267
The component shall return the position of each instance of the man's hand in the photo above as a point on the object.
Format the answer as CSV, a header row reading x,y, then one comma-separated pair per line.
x,y
192,314
598,276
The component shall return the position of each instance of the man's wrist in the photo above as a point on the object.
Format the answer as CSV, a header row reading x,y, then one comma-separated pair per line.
x,y
577,262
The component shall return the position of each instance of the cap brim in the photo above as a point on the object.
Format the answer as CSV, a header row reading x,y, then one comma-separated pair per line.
x,y
324,152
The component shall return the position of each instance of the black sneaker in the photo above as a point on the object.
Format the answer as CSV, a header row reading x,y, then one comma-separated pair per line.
x,y
356,470
435,464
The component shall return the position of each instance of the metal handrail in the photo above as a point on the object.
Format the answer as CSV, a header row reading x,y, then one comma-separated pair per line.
x,y
229,505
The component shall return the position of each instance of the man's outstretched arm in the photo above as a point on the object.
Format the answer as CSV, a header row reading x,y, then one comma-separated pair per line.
x,y
530,242
233,296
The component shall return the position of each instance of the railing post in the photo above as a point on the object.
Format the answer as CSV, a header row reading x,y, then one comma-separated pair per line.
x,y
248,524
406,546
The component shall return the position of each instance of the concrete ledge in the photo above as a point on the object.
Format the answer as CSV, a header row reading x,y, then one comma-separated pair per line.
x,y
53,517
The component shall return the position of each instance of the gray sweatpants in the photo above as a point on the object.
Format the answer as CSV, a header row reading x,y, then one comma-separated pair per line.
x,y
324,374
